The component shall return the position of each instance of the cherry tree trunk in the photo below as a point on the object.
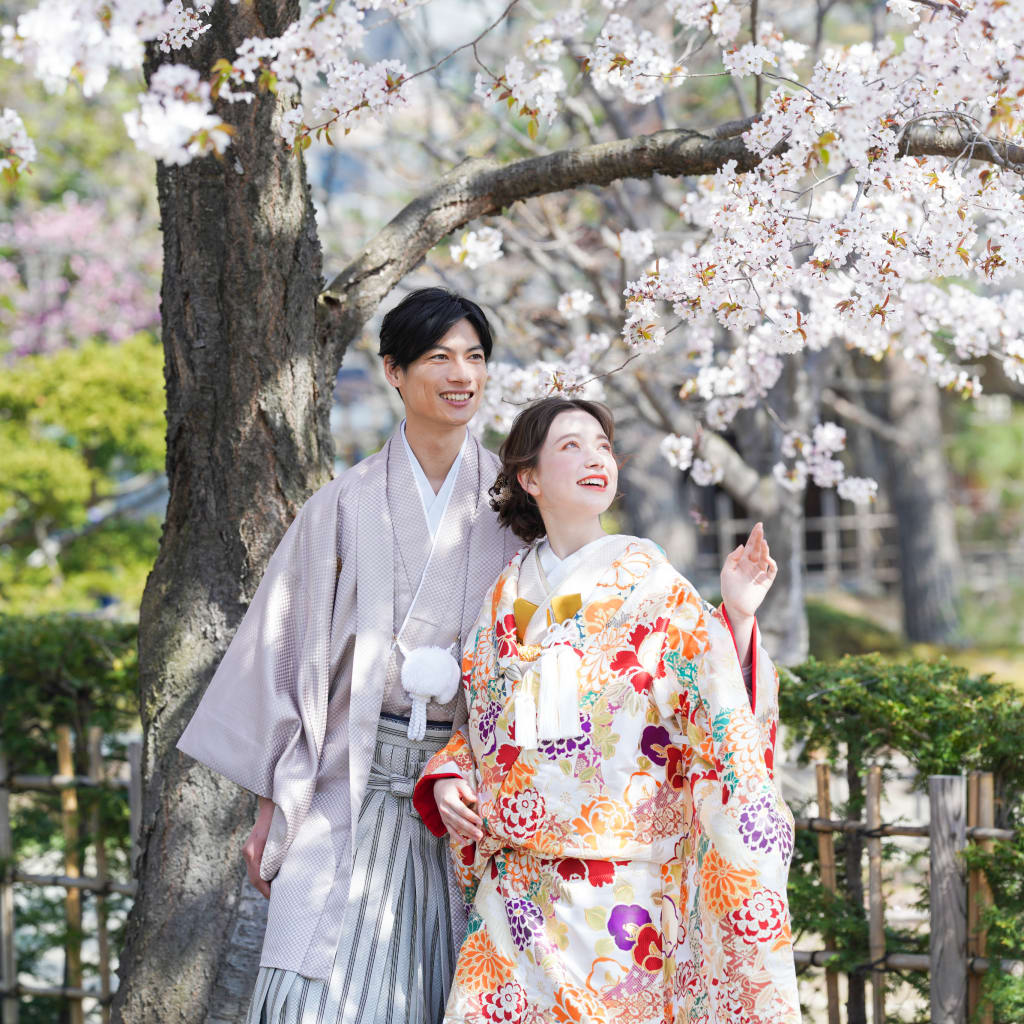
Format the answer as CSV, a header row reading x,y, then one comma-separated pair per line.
x,y
920,498
248,396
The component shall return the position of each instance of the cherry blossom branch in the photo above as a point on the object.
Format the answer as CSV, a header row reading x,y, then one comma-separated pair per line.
x,y
479,188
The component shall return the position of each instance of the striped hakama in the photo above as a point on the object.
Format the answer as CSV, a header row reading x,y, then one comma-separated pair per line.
x,y
396,956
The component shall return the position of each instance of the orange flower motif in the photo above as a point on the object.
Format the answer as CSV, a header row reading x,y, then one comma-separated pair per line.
x,y
632,566
597,613
481,967
574,1004
725,885
499,587
688,642
603,817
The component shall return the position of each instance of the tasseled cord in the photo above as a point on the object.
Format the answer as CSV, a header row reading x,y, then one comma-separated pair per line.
x,y
428,673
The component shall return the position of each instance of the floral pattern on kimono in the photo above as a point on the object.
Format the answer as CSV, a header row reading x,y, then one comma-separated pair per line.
x,y
634,872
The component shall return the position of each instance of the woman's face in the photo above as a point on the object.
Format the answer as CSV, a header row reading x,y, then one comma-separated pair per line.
x,y
576,476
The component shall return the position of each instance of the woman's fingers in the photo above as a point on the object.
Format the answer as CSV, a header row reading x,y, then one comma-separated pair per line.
x,y
460,826
452,801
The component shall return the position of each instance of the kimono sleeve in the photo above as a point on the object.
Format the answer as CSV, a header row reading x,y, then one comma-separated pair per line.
x,y
740,841
452,761
262,719
764,690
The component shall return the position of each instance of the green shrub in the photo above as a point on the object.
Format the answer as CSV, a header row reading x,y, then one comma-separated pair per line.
x,y
863,710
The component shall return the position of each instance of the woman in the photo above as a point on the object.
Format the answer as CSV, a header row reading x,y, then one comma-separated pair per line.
x,y
627,857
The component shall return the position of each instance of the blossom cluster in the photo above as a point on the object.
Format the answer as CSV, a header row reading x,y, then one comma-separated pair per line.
x,y
311,67
511,387
17,150
62,41
174,122
792,258
478,248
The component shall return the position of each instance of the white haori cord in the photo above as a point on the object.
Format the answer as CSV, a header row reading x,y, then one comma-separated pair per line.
x,y
428,673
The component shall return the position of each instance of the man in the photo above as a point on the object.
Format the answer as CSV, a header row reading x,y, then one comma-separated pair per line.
x,y
308,708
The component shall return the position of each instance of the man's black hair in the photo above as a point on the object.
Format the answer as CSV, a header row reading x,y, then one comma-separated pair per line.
x,y
423,318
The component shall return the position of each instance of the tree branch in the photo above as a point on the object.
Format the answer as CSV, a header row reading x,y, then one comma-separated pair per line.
x,y
478,188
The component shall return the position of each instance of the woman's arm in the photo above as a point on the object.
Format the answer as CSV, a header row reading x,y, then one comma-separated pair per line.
x,y
747,576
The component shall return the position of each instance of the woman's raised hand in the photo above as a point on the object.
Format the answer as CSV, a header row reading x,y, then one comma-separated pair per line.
x,y
747,576
452,797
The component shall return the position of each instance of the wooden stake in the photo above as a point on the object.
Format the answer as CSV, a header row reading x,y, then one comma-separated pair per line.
x,y
980,814
876,906
973,881
102,872
73,897
948,939
827,861
8,956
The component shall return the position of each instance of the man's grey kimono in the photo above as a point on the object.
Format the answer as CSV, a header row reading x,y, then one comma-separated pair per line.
x,y
292,712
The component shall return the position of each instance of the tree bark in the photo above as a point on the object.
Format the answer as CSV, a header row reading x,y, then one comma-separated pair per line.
x,y
920,498
248,398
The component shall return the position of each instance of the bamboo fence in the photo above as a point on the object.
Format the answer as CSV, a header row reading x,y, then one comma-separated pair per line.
x,y
960,810
72,881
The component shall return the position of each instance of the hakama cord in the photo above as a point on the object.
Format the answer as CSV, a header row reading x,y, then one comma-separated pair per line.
x,y
635,873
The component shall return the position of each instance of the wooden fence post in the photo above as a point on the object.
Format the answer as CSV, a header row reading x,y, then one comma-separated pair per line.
x,y
73,897
831,541
102,870
827,861
8,956
948,938
865,556
980,814
876,906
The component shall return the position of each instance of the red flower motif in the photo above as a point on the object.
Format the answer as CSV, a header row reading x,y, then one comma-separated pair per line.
x,y
572,869
600,872
629,662
596,872
467,854
507,1004
521,813
647,950
675,772
760,918
505,636
506,756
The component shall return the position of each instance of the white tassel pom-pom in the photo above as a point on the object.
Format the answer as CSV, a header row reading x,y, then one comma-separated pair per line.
x,y
428,673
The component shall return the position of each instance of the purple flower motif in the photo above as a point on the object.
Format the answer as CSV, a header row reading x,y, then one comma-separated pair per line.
x,y
557,750
762,828
488,720
525,921
654,742
624,922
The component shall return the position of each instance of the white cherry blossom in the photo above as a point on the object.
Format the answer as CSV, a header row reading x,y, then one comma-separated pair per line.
x,y
478,248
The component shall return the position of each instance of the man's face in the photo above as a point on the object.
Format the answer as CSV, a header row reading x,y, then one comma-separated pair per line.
x,y
445,384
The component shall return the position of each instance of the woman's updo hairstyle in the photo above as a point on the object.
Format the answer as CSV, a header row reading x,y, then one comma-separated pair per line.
x,y
517,510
